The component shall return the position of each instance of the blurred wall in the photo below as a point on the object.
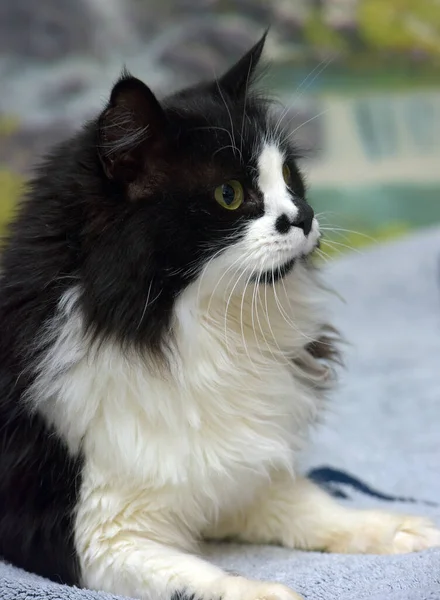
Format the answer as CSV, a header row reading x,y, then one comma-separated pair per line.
x,y
360,78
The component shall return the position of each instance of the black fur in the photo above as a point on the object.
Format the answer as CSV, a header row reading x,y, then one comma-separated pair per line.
x,y
124,207
184,595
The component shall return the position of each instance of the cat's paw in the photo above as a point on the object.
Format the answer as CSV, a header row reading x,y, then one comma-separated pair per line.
x,y
414,534
375,532
239,588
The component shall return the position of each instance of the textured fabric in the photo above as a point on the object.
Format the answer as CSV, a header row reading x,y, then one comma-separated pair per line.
x,y
380,445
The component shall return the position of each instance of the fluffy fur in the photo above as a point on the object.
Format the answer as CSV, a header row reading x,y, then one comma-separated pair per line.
x,y
162,357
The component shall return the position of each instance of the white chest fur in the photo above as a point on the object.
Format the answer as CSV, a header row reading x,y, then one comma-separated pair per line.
x,y
229,408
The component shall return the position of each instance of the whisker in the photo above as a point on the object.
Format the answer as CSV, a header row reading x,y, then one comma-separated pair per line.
x,y
336,229
258,318
323,112
266,314
286,317
234,143
224,148
147,303
267,310
320,67
219,281
281,309
325,214
242,325
332,243
254,298
325,257
213,127
244,108
228,302
205,268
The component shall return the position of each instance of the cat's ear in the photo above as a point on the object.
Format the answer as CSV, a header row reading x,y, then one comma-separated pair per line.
x,y
131,126
237,80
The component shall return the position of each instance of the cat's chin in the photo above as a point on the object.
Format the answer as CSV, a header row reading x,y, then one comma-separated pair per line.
x,y
280,272
274,275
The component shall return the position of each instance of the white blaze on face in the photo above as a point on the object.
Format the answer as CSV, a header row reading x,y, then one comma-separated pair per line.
x,y
277,199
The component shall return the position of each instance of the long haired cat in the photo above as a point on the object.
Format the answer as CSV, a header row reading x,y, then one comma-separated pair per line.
x,y
164,349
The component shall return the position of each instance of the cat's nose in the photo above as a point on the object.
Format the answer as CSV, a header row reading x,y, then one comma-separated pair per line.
x,y
303,220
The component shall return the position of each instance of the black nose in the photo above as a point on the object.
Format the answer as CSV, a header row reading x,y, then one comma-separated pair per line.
x,y
303,220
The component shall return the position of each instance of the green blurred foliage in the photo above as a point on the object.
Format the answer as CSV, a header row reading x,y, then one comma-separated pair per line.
x,y
401,25
11,188
11,184
8,125
318,34
339,242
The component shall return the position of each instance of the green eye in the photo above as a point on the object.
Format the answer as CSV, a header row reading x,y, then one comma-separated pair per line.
x,y
230,194
286,173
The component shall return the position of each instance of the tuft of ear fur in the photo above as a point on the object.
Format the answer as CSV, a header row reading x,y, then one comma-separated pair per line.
x,y
236,81
132,123
325,347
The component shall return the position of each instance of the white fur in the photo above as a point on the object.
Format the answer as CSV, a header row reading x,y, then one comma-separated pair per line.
x,y
210,446
277,199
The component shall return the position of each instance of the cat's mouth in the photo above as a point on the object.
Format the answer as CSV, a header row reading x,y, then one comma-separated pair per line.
x,y
277,273
274,275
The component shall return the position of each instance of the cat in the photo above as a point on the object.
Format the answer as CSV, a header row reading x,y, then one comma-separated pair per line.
x,y
165,349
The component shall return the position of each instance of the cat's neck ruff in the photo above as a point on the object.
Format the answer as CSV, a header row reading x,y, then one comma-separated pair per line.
x,y
275,321
230,398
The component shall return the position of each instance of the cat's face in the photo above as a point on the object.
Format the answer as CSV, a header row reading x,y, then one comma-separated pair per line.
x,y
210,183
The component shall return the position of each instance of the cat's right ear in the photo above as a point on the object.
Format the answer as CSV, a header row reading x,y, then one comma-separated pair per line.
x,y
239,78
130,127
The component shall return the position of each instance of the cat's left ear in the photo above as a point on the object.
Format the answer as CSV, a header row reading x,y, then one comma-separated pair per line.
x,y
131,128
237,80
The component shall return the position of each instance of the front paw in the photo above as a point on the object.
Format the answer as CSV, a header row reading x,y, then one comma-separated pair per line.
x,y
414,534
376,532
239,588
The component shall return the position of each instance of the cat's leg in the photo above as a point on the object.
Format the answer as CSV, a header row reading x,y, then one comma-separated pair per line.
x,y
298,514
128,546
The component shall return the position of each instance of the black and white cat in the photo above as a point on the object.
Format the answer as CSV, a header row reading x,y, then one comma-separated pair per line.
x,y
164,350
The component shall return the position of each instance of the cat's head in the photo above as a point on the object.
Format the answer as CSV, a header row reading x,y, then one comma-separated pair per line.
x,y
208,185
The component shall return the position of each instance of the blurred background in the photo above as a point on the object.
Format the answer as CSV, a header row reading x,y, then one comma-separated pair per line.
x,y
360,78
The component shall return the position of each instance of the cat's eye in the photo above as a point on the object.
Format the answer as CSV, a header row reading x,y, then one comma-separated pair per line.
x,y
230,195
286,173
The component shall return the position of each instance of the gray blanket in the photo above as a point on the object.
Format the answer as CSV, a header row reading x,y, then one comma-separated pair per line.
x,y
380,446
